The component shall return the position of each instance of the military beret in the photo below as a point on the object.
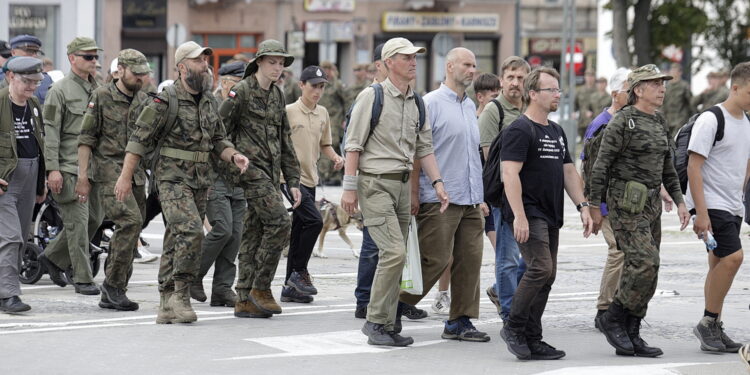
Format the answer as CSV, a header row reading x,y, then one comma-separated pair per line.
x,y
28,66
236,69
26,41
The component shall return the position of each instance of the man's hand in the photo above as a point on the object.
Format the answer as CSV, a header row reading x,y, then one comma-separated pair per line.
x,y
596,217
349,201
521,229
123,188
55,181
83,188
684,215
668,202
296,195
414,202
588,222
485,209
442,195
4,184
241,162
702,226
338,163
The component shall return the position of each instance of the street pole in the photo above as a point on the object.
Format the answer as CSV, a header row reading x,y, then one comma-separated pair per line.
x,y
567,73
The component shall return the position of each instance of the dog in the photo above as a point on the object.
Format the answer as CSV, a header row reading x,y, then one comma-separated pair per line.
x,y
335,218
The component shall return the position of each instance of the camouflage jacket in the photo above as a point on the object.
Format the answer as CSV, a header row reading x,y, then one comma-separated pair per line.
x,y
583,104
637,150
259,128
334,100
292,92
351,92
710,98
677,105
598,101
198,128
63,115
107,125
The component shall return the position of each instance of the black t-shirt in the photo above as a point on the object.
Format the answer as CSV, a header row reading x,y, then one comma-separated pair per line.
x,y
26,144
542,176
127,97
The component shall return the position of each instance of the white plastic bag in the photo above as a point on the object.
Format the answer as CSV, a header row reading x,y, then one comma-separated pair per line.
x,y
411,278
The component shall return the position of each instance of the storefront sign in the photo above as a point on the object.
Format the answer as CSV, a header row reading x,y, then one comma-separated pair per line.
x,y
329,5
328,31
440,22
547,46
28,17
149,14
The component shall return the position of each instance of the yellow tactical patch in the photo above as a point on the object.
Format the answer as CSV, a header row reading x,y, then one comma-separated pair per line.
x,y
147,116
50,112
88,121
226,108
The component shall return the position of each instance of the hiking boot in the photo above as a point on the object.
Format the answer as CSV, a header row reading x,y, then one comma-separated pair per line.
x,y
442,303
640,346
55,272
731,346
179,302
115,298
412,312
197,293
247,309
291,294
360,312
709,334
540,350
224,298
598,314
89,289
461,329
302,281
376,334
494,299
13,305
399,340
264,300
612,325
516,342
164,315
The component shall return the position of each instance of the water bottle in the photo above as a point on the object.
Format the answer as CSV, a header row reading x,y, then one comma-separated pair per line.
x,y
710,241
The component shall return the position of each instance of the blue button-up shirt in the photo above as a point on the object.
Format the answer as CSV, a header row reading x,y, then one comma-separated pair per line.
x,y
455,140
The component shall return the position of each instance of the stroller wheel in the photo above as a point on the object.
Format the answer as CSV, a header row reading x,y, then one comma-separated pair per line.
x,y
30,270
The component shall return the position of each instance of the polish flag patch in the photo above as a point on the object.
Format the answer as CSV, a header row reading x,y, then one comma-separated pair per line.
x,y
157,100
232,94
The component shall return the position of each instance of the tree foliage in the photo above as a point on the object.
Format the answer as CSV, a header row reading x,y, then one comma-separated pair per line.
x,y
727,31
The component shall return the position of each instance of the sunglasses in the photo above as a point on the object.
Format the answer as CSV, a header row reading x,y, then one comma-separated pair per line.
x,y
89,57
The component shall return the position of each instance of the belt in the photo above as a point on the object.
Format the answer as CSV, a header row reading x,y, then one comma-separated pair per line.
x,y
400,176
196,156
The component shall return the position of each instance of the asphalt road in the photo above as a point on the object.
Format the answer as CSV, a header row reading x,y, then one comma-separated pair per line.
x,y
67,333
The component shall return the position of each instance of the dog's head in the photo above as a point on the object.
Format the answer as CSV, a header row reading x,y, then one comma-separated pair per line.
x,y
359,221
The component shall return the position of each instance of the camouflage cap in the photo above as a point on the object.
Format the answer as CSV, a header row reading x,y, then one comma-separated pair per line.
x,y
82,43
646,73
134,60
268,47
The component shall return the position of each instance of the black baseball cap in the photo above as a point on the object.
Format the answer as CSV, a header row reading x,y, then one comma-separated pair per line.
x,y
314,75
377,54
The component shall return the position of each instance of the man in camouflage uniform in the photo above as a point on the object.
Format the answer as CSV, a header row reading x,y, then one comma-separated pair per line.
x,y
583,102
182,173
715,93
107,124
333,99
635,150
361,81
63,116
600,99
292,92
256,116
677,106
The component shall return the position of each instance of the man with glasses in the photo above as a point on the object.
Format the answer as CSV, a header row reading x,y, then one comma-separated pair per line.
x,y
63,116
29,45
537,170
635,159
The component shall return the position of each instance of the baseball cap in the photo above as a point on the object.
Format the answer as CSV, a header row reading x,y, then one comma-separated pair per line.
x,y
82,43
378,53
135,60
190,50
400,45
27,66
235,69
647,72
313,75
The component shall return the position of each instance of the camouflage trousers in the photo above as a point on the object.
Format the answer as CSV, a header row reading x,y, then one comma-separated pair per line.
x,y
638,236
128,218
325,165
184,209
267,231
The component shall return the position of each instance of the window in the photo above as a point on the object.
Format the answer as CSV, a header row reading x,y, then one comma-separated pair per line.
x,y
485,52
226,45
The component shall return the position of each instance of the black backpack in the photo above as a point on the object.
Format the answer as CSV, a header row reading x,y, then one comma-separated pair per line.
x,y
492,174
682,140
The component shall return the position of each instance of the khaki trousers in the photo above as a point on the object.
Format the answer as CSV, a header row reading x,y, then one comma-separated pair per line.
x,y
612,268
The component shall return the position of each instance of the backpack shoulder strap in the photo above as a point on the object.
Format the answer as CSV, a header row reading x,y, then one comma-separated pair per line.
x,y
420,107
719,122
377,106
502,114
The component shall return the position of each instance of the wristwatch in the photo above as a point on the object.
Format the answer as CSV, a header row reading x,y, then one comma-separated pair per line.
x,y
436,181
581,205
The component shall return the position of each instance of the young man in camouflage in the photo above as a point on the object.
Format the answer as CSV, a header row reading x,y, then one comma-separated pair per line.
x,y
183,173
255,114
63,116
107,124
333,99
677,106
635,159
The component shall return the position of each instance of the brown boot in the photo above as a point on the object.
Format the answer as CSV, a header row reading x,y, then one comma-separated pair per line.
x,y
179,302
247,309
263,299
165,314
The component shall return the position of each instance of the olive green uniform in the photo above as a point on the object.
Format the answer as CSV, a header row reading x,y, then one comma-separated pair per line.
x,y
677,107
333,99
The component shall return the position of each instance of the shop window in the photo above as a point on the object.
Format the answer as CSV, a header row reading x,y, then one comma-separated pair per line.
x,y
485,51
226,45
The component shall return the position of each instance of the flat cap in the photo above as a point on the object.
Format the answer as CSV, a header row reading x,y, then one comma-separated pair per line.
x,y
82,43
236,69
647,72
190,50
27,66
26,41
400,45
134,60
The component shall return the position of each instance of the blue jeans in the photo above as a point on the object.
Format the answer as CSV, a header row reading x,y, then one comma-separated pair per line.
x,y
368,261
509,266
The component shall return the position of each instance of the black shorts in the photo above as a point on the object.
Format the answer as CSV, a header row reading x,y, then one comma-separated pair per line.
x,y
726,230
489,223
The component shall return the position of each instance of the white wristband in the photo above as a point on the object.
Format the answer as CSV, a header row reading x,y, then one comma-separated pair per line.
x,y
350,182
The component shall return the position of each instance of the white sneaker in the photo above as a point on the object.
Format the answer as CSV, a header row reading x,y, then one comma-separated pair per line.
x,y
146,256
745,355
442,303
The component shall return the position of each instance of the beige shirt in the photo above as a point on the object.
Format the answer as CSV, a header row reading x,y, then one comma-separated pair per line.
x,y
311,131
396,141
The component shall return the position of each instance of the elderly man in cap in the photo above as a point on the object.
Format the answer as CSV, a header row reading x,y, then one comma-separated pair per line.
x,y
63,117
225,210
108,122
21,171
255,118
29,45
384,157
635,159
182,143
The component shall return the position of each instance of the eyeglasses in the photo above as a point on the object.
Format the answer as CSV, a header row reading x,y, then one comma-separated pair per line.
x,y
89,57
30,82
554,91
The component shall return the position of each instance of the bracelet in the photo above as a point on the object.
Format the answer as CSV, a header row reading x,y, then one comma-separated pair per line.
x,y
436,181
350,182
581,205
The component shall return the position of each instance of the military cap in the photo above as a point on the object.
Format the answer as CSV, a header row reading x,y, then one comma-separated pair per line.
x,y
378,53
313,75
26,41
24,65
4,48
268,47
134,60
647,72
190,50
400,45
82,43
235,69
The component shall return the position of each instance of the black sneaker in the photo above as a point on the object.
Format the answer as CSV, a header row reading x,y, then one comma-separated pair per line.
x,y
89,289
731,346
542,351
412,312
360,312
400,340
13,305
55,272
289,294
376,334
596,318
708,333
115,298
302,281
461,329
516,343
